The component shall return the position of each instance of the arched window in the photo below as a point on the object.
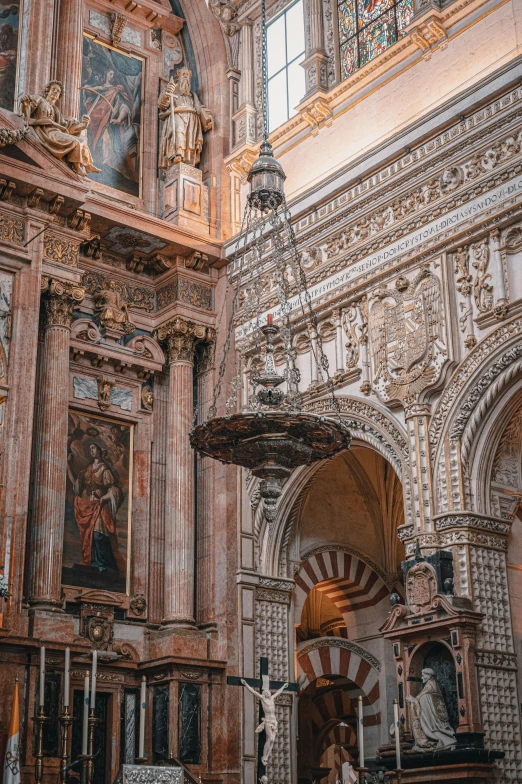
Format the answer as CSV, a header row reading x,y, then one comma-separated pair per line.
x,y
286,77
367,28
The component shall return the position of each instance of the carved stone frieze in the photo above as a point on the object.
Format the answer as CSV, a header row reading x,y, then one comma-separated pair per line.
x,y
225,12
482,286
472,521
184,290
271,595
59,300
145,774
139,297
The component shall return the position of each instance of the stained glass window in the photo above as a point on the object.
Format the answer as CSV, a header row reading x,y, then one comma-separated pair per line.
x,y
367,28
286,77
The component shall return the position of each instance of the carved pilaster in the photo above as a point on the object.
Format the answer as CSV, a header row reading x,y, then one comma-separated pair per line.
x,y
417,424
464,286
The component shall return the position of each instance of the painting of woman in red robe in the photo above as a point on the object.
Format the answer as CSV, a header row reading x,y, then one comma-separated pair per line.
x,y
96,518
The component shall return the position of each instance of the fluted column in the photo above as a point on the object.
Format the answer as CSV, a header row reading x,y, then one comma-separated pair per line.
x,y
37,47
181,337
50,468
69,54
205,591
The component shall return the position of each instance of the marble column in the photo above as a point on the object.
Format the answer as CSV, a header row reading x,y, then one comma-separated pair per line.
x,y
205,517
50,466
36,47
68,67
181,337
316,59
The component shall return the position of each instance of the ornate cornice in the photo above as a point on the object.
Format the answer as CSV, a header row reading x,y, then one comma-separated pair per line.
x,y
471,521
59,300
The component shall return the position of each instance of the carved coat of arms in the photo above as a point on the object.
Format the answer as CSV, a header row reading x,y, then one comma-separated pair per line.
x,y
407,338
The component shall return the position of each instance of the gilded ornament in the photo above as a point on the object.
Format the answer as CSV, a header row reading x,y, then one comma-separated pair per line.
x,y
135,296
147,398
181,337
118,24
61,249
105,386
11,229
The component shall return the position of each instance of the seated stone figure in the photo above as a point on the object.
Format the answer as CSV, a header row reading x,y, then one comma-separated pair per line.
x,y
58,134
430,724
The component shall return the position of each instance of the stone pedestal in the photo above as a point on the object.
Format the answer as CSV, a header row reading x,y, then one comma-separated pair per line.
x,y
470,772
186,198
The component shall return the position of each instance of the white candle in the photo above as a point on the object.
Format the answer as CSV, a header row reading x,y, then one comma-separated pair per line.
x,y
361,734
85,726
66,679
143,702
42,676
93,676
397,734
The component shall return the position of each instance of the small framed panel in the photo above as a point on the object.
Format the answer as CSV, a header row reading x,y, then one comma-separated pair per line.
x,y
96,547
189,723
10,16
112,95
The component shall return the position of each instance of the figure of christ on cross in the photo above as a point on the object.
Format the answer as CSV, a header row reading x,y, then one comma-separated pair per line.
x,y
267,712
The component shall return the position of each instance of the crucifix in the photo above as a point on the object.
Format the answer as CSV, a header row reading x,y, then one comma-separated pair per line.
x,y
267,729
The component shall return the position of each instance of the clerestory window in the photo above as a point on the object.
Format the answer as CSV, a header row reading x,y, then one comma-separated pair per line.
x,y
286,77
367,28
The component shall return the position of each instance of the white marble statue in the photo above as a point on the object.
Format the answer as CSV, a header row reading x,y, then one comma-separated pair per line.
x,y
430,725
269,723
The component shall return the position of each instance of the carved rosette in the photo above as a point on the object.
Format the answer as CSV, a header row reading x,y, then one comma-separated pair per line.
x,y
181,337
59,300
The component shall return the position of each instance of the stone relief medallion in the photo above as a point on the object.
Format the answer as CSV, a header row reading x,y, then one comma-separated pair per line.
x,y
421,587
99,632
407,336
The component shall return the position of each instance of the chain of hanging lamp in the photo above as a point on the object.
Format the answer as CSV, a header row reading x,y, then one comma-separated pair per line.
x,y
273,435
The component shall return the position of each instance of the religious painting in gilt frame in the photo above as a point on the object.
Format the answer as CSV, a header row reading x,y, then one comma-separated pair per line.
x,y
96,547
9,44
112,84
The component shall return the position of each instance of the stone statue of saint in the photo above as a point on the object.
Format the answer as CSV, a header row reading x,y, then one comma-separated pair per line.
x,y
269,723
58,134
111,308
185,119
430,725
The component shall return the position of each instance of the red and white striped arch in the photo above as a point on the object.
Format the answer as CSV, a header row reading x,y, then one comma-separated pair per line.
x,y
346,579
340,735
324,657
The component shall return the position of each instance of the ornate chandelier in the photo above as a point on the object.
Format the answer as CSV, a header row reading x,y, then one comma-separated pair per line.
x,y
272,436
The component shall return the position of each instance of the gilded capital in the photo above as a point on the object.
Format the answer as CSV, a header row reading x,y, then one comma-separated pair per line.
x,y
181,337
59,300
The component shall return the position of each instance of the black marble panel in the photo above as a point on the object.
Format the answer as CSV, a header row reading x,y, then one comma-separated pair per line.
x,y
189,723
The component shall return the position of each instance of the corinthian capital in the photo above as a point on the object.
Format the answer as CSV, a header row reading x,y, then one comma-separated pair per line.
x,y
58,302
181,337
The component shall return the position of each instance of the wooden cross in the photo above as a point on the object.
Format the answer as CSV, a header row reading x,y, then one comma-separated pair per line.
x,y
263,682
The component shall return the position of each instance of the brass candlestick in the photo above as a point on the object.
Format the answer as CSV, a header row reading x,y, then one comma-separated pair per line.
x,y
362,775
39,720
65,720
90,746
